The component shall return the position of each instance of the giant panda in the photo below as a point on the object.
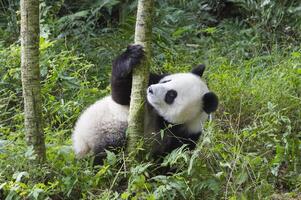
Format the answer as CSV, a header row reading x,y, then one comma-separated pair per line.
x,y
177,103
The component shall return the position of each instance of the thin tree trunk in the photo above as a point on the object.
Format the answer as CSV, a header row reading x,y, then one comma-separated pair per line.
x,y
143,34
31,76
123,11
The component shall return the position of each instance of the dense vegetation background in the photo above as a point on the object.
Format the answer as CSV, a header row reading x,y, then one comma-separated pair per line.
x,y
251,150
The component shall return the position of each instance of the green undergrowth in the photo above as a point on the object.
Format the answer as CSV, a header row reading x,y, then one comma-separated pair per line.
x,y
250,150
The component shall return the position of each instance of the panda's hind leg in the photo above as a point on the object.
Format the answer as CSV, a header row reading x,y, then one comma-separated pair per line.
x,y
112,140
99,158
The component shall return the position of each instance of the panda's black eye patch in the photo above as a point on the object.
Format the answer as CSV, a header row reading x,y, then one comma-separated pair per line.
x,y
165,81
170,96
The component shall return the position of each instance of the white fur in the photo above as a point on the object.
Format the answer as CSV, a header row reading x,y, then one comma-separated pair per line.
x,y
101,118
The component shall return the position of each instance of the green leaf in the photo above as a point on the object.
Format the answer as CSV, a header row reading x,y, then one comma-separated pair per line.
x,y
151,197
18,176
111,157
161,134
210,30
140,168
296,54
125,195
180,31
242,177
36,192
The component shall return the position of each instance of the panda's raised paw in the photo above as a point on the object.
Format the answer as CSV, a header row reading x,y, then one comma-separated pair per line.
x,y
135,51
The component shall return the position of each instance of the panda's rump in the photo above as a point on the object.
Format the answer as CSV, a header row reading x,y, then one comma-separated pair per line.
x,y
100,126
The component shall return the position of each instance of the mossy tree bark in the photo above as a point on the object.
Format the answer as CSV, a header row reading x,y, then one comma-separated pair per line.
x,y
143,34
30,34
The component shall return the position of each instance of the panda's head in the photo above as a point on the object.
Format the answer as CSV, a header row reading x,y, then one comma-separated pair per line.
x,y
183,97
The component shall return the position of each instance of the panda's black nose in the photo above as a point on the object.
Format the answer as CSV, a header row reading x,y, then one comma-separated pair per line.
x,y
150,90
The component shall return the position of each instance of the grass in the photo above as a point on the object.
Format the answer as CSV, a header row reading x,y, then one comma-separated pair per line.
x,y
251,149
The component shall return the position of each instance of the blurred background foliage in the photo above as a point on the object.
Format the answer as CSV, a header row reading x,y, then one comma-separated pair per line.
x,y
252,148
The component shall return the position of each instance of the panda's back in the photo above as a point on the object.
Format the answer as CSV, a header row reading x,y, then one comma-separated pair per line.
x,y
100,126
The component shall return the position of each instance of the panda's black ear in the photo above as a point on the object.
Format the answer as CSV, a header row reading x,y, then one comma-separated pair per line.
x,y
199,70
210,102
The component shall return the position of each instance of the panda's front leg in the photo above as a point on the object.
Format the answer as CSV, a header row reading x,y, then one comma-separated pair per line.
x,y
121,79
192,140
